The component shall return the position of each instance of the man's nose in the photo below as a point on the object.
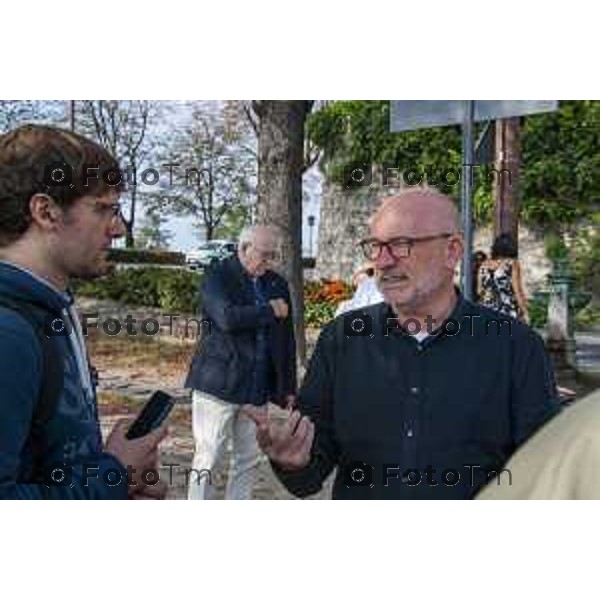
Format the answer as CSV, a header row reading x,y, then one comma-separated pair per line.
x,y
385,258
118,228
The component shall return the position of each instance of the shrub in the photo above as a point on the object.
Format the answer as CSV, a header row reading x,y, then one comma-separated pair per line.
x,y
586,259
316,314
169,289
588,317
555,247
538,311
179,291
150,257
331,292
321,299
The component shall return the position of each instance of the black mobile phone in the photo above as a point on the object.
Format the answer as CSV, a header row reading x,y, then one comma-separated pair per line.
x,y
155,411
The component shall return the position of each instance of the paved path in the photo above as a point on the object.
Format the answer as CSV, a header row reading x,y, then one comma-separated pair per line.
x,y
588,351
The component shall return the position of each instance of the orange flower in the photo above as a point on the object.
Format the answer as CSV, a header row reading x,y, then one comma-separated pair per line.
x,y
331,292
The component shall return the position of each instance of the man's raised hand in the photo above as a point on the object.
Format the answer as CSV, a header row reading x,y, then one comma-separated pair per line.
x,y
287,442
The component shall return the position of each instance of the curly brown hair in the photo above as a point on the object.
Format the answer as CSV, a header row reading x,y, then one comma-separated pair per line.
x,y
29,158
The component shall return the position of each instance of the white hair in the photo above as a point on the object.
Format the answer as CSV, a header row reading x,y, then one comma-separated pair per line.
x,y
249,232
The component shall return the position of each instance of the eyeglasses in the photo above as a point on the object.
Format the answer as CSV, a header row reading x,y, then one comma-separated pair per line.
x,y
398,247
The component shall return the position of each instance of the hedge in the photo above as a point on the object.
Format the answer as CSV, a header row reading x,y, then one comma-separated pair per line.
x,y
156,257
177,290
169,289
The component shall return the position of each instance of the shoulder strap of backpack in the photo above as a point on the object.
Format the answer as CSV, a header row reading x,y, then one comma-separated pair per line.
x,y
52,361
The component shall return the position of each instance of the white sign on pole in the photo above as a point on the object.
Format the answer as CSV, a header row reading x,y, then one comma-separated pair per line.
x,y
406,115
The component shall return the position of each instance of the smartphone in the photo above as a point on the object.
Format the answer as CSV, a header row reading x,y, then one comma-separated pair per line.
x,y
155,411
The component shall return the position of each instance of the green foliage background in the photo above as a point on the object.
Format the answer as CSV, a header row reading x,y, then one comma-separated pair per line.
x,y
560,155
169,289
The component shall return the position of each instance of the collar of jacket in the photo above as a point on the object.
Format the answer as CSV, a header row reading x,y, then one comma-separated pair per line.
x,y
461,307
237,267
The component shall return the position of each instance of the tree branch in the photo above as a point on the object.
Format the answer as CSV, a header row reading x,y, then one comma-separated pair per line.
x,y
250,116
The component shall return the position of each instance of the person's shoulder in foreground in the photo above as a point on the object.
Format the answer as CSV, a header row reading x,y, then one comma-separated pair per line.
x,y
560,462
51,445
22,375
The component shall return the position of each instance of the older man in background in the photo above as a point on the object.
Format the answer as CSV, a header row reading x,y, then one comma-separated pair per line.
x,y
248,359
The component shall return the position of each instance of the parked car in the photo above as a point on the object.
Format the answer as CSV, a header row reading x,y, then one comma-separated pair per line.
x,y
214,250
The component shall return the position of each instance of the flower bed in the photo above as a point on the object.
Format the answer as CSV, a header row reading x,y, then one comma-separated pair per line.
x,y
321,300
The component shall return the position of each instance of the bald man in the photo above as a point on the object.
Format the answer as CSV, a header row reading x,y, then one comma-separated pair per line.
x,y
423,396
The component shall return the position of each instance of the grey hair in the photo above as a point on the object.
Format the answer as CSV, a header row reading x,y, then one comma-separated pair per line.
x,y
248,234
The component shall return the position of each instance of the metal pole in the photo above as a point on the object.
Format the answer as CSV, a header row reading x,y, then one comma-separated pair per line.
x,y
467,191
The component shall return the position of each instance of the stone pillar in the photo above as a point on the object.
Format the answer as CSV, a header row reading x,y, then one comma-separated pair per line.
x,y
344,213
560,339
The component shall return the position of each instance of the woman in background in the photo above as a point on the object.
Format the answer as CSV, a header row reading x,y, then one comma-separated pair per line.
x,y
499,280
366,293
500,288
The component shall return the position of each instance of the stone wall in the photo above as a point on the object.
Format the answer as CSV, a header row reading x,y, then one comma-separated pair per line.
x,y
342,224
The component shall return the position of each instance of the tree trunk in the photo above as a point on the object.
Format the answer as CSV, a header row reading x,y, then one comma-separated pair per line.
x,y
279,194
129,239
129,224
507,189
209,232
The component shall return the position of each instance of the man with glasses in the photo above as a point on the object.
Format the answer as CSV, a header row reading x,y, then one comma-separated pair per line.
x,y
55,225
423,396
247,359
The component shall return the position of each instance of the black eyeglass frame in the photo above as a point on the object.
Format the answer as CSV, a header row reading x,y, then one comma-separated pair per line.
x,y
405,243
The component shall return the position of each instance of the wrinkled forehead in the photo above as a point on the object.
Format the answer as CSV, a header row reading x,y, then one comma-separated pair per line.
x,y
413,217
265,239
392,222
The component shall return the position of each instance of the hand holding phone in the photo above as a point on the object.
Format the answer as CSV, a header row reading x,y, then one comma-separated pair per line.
x,y
155,411
135,445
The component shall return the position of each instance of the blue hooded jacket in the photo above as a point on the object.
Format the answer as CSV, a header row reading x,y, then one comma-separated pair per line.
x,y
70,437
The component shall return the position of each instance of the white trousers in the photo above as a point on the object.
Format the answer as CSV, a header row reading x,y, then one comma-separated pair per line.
x,y
214,423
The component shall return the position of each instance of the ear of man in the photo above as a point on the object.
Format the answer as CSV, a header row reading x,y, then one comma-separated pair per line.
x,y
44,210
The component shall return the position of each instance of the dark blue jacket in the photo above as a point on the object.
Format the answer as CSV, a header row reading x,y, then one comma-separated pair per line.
x,y
225,362
71,436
